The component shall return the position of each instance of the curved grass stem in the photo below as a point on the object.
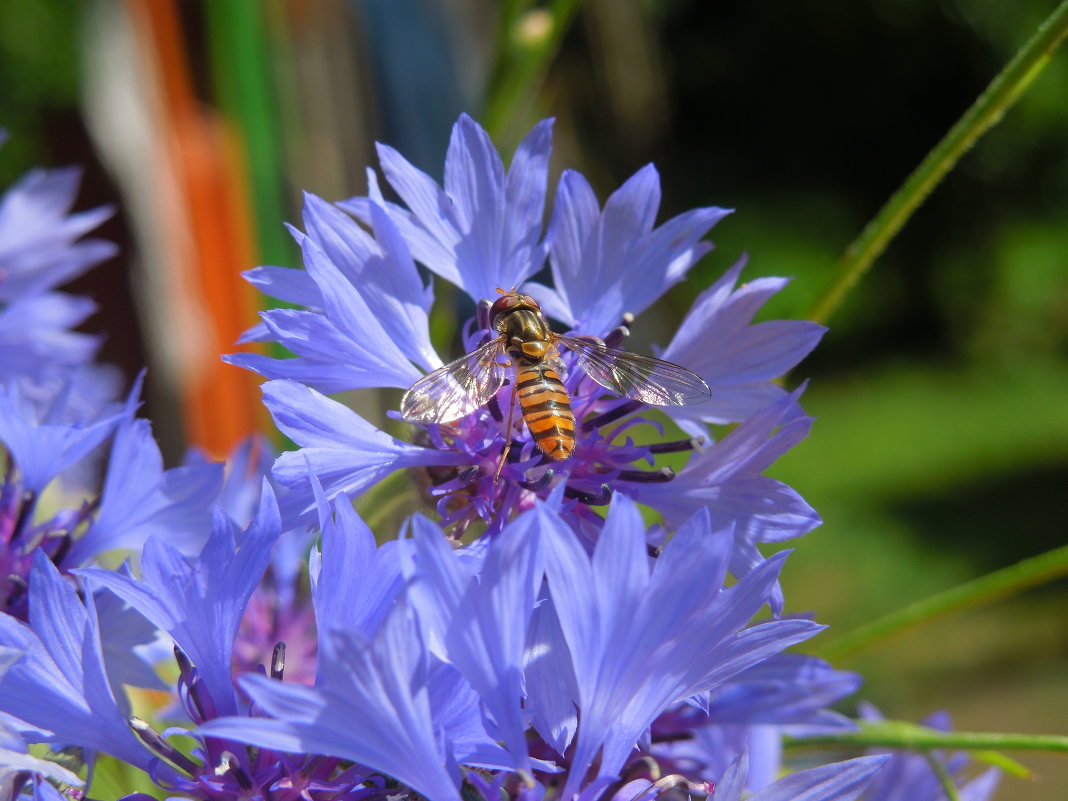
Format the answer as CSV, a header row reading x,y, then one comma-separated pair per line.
x,y
987,110
986,589
899,734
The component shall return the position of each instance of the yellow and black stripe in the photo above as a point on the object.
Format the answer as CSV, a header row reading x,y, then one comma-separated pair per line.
x,y
546,410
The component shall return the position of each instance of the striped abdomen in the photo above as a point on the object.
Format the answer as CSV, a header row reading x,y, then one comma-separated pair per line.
x,y
546,410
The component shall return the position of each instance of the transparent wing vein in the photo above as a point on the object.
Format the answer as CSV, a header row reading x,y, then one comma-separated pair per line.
x,y
457,389
641,378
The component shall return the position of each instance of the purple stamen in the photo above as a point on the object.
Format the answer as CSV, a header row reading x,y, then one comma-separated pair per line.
x,y
618,335
611,415
278,661
28,503
153,740
495,408
676,446
588,498
228,764
647,476
539,483
482,317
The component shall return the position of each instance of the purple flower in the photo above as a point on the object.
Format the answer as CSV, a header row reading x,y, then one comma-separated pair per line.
x,y
365,325
60,685
139,498
39,237
381,698
642,639
200,605
40,248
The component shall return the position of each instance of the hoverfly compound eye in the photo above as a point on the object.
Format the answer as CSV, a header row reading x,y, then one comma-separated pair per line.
x,y
527,300
501,305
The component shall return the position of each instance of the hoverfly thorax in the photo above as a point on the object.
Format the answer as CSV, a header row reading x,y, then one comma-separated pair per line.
x,y
518,319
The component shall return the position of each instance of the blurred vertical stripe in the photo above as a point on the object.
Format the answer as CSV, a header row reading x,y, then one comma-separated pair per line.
x,y
187,166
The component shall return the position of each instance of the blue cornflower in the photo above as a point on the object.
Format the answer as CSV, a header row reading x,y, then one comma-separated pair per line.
x,y
381,698
41,247
40,240
59,690
392,703
638,640
785,694
364,324
139,497
432,666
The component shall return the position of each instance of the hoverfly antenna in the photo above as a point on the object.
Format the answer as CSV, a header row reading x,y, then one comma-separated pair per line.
x,y
507,291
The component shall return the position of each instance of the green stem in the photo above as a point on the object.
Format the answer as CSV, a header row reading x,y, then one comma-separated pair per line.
x,y
242,54
943,777
891,734
999,96
986,589
528,40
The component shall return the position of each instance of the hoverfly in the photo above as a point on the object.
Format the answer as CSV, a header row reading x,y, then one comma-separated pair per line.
x,y
531,349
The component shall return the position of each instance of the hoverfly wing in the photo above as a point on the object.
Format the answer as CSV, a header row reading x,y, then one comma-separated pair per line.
x,y
458,388
641,378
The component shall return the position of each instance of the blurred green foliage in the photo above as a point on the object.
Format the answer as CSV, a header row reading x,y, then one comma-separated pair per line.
x,y
38,78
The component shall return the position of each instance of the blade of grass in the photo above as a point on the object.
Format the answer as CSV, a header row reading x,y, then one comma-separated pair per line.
x,y
984,590
527,41
987,110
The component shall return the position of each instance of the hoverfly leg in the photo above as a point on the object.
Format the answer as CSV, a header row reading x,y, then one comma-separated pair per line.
x,y
507,432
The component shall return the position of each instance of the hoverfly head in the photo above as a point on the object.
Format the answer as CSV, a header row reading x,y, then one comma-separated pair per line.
x,y
511,301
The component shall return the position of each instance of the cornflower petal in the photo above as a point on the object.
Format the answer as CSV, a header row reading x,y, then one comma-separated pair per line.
x,y
785,689
60,685
609,263
383,270
345,452
483,230
726,479
38,247
747,358
354,342
200,605
41,446
840,781
140,499
550,679
348,549
482,621
287,284
642,642
379,713
35,337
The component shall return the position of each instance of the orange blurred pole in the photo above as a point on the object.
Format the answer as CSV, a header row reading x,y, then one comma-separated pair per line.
x,y
220,403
